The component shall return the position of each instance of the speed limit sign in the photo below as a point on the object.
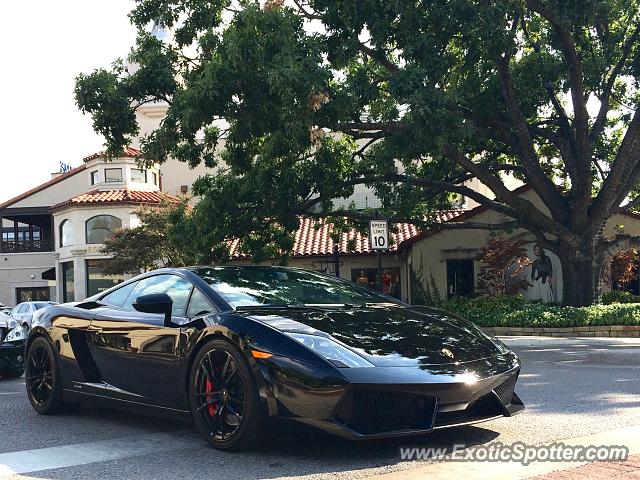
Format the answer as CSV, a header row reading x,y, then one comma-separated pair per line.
x,y
379,234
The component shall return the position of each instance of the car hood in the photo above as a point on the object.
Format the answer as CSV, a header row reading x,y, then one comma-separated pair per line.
x,y
390,335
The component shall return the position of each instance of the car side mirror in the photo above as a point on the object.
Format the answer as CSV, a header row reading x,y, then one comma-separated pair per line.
x,y
155,303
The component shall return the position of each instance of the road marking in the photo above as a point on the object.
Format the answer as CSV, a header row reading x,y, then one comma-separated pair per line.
x,y
84,453
10,393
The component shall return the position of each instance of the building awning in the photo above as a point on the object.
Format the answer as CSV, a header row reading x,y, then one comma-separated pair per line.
x,y
49,274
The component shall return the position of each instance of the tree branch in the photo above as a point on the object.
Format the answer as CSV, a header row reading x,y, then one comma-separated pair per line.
x,y
379,57
574,62
306,13
617,184
605,96
543,186
629,205
527,212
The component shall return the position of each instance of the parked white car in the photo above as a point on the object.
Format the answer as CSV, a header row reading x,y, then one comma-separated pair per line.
x,y
6,325
23,312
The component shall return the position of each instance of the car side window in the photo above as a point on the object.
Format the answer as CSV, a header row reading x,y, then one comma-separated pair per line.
x,y
198,304
117,297
23,308
176,287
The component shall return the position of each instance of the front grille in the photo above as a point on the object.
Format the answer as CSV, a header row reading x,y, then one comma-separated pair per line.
x,y
505,389
371,411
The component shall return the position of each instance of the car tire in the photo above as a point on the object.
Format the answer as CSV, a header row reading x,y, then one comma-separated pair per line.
x,y
26,327
11,373
43,381
229,415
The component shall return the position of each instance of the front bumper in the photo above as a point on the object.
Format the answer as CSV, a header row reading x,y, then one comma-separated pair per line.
x,y
12,356
380,402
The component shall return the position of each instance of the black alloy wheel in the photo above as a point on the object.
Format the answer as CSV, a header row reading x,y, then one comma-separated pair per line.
x,y
43,384
224,399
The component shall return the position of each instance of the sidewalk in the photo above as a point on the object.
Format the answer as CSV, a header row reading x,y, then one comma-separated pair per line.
x,y
628,469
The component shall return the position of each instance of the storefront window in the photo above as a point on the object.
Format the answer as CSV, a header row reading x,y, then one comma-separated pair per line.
x,y
368,277
97,280
68,290
32,294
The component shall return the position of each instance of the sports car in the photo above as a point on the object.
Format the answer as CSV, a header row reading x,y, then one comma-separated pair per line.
x,y
232,347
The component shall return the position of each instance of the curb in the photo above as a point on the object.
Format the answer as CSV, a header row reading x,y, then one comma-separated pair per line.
x,y
546,341
632,331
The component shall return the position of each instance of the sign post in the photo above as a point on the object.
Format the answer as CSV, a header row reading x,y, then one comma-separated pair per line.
x,y
379,238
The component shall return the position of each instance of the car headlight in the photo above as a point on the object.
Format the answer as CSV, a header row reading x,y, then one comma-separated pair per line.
x,y
15,335
12,324
337,354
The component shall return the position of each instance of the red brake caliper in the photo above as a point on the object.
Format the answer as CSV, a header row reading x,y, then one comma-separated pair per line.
x,y
208,389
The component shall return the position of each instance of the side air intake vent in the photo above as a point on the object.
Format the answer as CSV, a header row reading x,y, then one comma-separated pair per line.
x,y
505,389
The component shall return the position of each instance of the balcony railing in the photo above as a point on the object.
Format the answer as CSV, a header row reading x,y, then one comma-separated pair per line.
x,y
22,246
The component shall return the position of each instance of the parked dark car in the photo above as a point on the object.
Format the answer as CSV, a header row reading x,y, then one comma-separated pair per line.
x,y
12,349
232,346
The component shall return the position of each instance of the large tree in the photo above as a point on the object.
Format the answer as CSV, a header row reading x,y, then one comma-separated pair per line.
x,y
297,103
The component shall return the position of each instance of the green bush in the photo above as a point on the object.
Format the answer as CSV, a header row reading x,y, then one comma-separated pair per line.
x,y
515,311
619,297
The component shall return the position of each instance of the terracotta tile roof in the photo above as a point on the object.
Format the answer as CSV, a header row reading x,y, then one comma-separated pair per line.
x,y
125,196
312,241
43,186
129,152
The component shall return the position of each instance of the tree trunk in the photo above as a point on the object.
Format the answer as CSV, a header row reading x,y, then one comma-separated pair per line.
x,y
578,277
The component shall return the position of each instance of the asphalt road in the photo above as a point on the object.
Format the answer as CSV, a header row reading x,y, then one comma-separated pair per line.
x,y
570,390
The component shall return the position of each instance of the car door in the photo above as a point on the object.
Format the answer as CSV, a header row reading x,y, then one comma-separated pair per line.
x,y
136,354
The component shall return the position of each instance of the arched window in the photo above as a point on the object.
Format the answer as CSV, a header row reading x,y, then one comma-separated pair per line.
x,y
66,233
101,228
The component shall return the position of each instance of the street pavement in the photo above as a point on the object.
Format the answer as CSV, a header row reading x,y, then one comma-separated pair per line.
x,y
571,387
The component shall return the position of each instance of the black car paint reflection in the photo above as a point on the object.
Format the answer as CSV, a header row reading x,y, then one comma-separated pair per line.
x,y
419,356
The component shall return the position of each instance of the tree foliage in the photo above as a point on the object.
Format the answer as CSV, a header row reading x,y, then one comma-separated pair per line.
x,y
503,262
155,243
623,268
297,103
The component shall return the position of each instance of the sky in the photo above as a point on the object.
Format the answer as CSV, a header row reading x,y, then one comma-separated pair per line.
x,y
44,44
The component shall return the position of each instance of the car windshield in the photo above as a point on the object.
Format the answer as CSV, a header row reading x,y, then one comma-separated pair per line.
x,y
40,305
252,286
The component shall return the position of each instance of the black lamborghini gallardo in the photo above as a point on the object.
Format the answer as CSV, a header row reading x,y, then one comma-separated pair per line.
x,y
233,346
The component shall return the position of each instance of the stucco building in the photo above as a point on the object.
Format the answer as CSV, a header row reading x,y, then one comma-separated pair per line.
x,y
448,257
